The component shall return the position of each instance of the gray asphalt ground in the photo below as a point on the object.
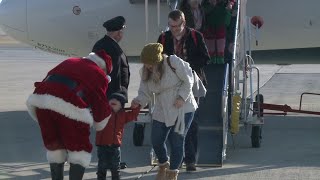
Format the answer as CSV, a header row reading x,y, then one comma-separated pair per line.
x,y
290,144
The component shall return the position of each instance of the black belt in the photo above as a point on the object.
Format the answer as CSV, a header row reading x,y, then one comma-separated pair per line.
x,y
71,84
63,80
110,145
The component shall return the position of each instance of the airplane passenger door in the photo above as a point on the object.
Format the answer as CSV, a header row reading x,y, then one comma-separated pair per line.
x,y
145,20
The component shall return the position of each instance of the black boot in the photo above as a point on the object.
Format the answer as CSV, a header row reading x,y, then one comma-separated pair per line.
x,y
115,174
76,172
101,175
56,171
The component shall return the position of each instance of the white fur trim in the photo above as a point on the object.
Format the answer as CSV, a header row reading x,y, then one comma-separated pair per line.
x,y
57,156
79,157
47,101
100,125
109,78
98,60
32,111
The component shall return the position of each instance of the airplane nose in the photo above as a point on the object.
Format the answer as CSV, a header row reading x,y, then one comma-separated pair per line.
x,y
13,18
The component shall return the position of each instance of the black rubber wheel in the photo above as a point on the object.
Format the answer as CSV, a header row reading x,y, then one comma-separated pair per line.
x,y
138,134
259,99
256,136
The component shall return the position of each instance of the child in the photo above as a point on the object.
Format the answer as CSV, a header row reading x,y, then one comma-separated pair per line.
x,y
218,15
108,140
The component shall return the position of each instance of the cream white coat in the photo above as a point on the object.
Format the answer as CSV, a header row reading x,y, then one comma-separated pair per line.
x,y
171,85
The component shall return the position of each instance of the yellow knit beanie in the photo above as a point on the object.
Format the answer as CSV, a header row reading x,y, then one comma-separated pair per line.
x,y
152,53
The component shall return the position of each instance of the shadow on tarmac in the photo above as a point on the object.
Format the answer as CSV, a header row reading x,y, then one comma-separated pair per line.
x,y
286,143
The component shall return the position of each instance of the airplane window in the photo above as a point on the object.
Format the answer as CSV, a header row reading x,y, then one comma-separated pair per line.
x,y
76,10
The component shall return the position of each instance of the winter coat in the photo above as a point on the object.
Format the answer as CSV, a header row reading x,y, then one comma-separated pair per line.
x,y
112,134
216,16
171,85
85,102
120,74
197,52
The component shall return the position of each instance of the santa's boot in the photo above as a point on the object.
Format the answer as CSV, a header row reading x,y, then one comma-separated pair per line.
x,y
76,172
162,171
56,171
115,174
172,174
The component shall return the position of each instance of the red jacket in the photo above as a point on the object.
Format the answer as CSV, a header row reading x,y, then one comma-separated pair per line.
x,y
113,132
90,80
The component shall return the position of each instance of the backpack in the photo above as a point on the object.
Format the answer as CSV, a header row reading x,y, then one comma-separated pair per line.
x,y
198,89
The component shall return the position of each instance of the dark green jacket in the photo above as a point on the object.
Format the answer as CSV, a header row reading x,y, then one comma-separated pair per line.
x,y
216,16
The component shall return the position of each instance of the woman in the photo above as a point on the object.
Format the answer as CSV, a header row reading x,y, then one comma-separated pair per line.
x,y
193,13
171,82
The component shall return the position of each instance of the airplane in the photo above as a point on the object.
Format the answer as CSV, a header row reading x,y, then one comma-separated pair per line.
x,y
72,27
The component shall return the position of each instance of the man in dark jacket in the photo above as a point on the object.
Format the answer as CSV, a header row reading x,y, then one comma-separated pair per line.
x,y
189,45
120,74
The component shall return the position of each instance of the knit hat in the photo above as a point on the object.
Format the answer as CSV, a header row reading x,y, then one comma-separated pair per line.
x,y
152,53
120,97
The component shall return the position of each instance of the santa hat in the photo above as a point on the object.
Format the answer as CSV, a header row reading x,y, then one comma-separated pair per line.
x,y
102,59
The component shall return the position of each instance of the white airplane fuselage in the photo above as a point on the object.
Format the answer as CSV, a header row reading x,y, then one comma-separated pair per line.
x,y
72,27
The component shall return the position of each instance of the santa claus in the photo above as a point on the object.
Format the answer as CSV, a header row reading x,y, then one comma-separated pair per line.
x,y
70,99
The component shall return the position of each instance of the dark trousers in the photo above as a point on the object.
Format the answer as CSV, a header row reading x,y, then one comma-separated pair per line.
x,y
108,158
191,143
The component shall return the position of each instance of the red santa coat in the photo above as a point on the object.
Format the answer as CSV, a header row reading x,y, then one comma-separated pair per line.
x,y
65,114
112,134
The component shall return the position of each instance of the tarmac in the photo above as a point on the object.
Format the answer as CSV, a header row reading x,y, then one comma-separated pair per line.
x,y
290,144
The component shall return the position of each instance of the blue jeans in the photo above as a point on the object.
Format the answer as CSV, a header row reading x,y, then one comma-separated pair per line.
x,y
159,136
